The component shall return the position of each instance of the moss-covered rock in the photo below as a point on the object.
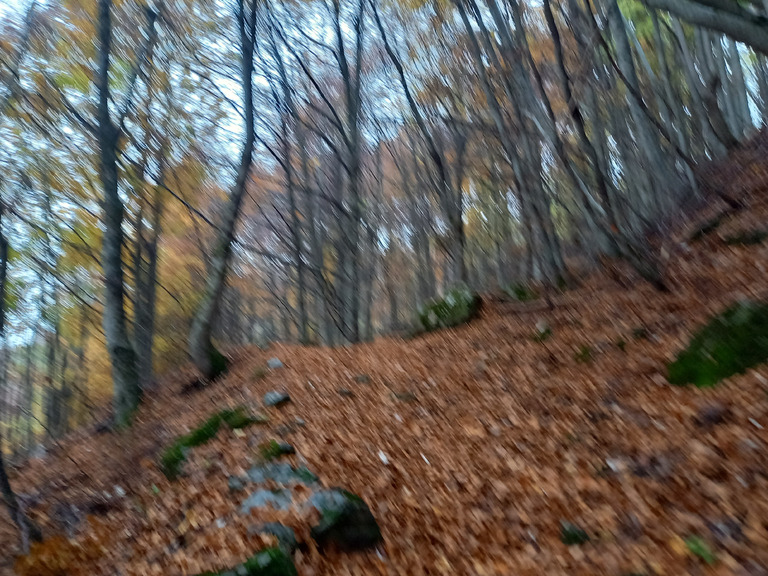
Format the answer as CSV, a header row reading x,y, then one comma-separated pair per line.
x,y
174,456
269,562
521,292
729,344
572,535
459,305
346,521
273,449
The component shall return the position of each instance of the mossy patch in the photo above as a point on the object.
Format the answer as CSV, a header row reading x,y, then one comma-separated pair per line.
x,y
521,292
748,238
269,562
731,343
572,535
699,548
584,354
459,305
273,449
219,364
174,456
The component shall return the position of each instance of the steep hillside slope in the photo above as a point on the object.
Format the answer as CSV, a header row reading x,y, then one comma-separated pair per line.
x,y
472,445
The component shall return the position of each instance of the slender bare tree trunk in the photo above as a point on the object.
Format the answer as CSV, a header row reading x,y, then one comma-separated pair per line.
x,y
204,354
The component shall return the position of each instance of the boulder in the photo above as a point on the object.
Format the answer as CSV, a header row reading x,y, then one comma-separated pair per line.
x,y
346,521
282,473
459,305
269,562
279,499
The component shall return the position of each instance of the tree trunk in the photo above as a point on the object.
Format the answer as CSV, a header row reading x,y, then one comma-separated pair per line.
x,y
204,354
125,375
736,22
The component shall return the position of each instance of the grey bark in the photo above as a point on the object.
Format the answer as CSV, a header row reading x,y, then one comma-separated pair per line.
x,y
734,21
125,375
204,354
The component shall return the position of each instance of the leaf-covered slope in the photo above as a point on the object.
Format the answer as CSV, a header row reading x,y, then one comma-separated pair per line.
x,y
473,446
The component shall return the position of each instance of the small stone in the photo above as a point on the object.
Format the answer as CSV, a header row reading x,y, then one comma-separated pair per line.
x,y
712,415
407,397
220,523
274,363
362,379
276,398
346,393
236,484
119,491
384,458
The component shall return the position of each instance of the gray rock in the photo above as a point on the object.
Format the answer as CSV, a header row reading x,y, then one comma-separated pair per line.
x,y
363,379
346,521
346,392
280,499
286,537
236,484
276,398
282,473
712,415
274,363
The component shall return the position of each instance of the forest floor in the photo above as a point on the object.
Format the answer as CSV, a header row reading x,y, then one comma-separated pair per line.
x,y
471,445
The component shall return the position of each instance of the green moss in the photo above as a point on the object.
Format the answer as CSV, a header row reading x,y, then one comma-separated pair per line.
x,y
584,355
641,333
273,449
542,335
239,418
572,535
172,459
306,475
459,305
749,238
729,344
269,562
203,433
521,292
219,364
699,548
